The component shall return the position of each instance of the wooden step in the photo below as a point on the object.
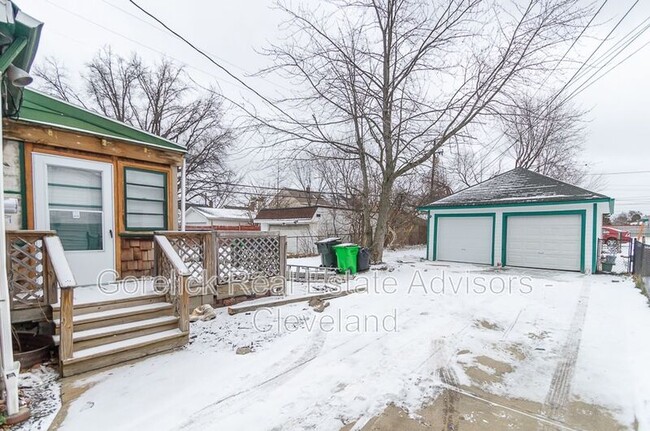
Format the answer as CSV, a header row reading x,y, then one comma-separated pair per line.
x,y
118,316
94,307
110,334
94,358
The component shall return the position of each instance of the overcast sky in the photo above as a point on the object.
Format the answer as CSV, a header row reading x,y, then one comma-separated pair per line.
x,y
619,119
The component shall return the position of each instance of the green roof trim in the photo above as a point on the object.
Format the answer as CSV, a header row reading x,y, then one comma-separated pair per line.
x,y
42,109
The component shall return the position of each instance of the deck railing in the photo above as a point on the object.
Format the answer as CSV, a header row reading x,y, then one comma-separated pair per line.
x,y
36,269
66,282
171,267
32,282
217,258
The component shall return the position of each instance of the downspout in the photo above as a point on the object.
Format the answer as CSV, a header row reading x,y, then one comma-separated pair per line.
x,y
183,192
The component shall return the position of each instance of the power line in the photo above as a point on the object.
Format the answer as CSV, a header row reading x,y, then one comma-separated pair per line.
x,y
595,50
573,77
571,47
211,60
137,42
629,37
580,90
166,33
621,173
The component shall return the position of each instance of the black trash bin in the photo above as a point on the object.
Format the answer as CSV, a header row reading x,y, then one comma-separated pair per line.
x,y
327,255
363,260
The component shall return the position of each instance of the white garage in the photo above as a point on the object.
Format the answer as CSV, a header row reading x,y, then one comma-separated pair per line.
x,y
519,218
465,238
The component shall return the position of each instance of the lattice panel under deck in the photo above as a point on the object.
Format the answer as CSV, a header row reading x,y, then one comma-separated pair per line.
x,y
242,258
26,271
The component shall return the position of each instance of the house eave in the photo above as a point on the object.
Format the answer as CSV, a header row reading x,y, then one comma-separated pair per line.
x,y
515,204
284,221
103,135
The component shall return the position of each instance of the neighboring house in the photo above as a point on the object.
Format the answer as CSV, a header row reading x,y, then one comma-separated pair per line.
x,y
294,198
304,225
197,217
519,218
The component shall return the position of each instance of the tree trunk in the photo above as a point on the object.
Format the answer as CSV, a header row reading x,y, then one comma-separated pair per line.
x,y
366,220
382,221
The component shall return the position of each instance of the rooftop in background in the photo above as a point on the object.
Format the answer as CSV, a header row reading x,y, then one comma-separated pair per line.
x,y
39,108
302,213
291,198
514,187
223,213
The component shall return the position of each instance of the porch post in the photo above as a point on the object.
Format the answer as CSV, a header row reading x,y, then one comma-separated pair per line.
x,y
10,368
183,193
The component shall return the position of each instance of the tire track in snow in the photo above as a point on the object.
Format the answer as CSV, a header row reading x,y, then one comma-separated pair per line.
x,y
506,333
307,357
450,400
557,397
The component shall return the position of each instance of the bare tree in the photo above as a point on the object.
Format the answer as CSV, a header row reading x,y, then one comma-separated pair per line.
x,y
390,82
55,81
546,136
157,99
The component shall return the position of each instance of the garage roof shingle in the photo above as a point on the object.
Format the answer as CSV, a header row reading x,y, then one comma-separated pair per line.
x,y
516,186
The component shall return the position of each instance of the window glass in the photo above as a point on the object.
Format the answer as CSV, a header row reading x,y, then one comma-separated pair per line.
x,y
75,207
78,230
146,199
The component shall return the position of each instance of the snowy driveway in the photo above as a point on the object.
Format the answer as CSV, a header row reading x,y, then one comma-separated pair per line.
x,y
429,345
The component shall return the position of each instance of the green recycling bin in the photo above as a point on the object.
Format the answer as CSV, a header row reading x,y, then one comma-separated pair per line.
x,y
346,256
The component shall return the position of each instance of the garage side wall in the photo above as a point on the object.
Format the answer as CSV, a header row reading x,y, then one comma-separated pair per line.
x,y
592,223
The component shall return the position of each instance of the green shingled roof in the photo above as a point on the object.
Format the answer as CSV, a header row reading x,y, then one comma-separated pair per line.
x,y
43,109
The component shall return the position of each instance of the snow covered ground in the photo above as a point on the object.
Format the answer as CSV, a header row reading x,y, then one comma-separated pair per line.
x,y
555,339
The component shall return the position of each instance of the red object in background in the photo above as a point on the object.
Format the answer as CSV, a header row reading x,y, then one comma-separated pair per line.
x,y
611,234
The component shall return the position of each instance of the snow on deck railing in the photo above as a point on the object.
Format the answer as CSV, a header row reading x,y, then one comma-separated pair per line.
x,y
171,267
59,262
174,259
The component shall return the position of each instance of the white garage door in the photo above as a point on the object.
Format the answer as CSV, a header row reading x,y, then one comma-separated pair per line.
x,y
544,241
464,239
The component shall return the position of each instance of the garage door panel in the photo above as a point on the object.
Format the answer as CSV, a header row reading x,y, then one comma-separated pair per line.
x,y
465,239
544,241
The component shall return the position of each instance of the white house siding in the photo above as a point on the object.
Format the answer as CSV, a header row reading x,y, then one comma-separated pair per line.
x,y
195,218
590,218
301,236
12,182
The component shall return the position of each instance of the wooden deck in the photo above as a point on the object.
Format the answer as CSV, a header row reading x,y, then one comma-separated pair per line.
x,y
110,332
100,326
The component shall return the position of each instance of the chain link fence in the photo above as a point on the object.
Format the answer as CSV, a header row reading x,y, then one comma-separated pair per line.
x,y
304,245
615,257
